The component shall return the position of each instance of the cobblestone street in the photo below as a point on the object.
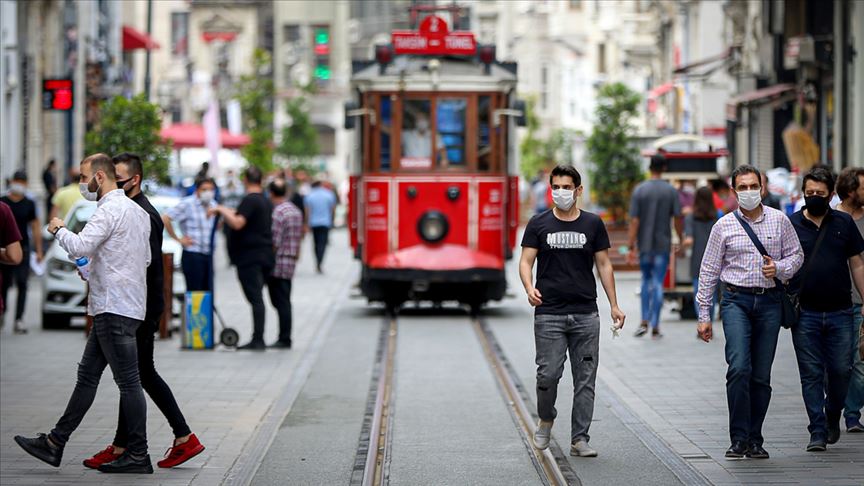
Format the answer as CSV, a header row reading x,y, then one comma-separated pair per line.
x,y
294,416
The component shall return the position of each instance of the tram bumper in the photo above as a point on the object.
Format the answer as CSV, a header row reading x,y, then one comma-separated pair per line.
x,y
437,273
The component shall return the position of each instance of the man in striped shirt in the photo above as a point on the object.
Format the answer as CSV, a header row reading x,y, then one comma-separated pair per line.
x,y
751,307
197,228
287,227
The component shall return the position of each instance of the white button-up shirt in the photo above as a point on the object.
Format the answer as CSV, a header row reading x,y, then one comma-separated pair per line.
x,y
116,240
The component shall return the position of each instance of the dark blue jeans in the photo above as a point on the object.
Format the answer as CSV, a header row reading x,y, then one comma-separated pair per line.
x,y
751,324
654,265
823,348
111,343
197,270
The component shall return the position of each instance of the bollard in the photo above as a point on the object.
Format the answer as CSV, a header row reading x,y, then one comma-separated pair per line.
x,y
168,294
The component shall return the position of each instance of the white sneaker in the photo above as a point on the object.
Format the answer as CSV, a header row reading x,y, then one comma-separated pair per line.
x,y
19,328
580,448
542,435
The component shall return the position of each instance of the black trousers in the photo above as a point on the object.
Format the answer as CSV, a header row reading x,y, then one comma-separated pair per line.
x,y
320,236
280,296
111,343
18,275
252,277
198,270
155,387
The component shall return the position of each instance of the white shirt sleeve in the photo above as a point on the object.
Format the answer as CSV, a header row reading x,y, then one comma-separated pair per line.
x,y
96,231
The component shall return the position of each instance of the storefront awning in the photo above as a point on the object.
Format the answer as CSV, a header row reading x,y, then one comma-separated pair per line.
x,y
134,39
186,135
777,92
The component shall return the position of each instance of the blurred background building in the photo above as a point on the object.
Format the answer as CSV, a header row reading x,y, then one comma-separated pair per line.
x,y
742,74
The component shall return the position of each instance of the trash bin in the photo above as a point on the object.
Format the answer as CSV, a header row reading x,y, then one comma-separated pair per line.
x,y
197,327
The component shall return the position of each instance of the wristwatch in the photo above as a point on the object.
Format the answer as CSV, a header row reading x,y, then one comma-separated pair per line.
x,y
56,230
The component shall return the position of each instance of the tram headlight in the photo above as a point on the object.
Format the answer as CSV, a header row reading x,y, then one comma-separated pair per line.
x,y
433,226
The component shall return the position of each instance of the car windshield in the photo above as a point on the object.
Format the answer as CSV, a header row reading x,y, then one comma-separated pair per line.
x,y
80,217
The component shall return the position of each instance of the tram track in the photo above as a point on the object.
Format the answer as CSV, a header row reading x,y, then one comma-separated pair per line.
x,y
374,451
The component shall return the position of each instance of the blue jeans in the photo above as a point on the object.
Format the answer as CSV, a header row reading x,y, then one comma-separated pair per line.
x,y
713,301
751,324
855,397
555,337
823,347
654,265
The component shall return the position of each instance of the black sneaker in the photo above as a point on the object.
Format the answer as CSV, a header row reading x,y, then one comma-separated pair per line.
x,y
833,431
817,444
252,346
854,426
126,464
757,452
737,450
642,330
41,449
281,345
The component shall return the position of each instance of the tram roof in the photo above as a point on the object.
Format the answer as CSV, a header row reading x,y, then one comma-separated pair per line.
x,y
453,74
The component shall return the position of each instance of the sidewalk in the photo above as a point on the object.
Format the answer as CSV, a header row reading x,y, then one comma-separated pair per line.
x,y
224,394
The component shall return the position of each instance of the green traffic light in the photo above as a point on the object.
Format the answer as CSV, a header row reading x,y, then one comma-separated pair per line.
x,y
322,36
322,72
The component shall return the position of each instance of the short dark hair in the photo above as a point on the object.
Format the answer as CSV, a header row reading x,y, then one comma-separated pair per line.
x,y
566,170
745,169
821,175
658,163
133,161
204,180
101,162
847,182
19,175
278,187
253,175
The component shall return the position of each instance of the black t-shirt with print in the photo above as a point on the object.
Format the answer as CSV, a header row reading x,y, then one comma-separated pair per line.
x,y
565,261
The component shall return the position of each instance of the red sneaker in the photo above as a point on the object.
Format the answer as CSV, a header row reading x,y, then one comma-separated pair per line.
x,y
182,452
100,458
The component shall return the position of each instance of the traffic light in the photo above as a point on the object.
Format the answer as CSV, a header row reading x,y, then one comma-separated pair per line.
x,y
321,48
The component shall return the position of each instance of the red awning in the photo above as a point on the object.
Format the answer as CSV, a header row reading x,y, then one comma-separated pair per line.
x,y
187,135
758,97
134,39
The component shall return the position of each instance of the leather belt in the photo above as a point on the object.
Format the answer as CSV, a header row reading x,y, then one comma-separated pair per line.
x,y
750,290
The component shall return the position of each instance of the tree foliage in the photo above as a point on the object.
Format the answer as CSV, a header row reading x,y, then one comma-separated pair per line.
x,y
131,125
255,93
299,138
616,167
537,153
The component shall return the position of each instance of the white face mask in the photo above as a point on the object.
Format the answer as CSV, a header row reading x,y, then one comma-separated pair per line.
x,y
17,188
422,125
206,197
563,198
749,200
86,194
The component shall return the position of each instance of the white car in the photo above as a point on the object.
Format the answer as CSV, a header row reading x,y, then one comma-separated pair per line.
x,y
65,294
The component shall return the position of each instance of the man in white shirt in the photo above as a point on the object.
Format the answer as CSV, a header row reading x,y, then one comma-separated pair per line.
x,y
417,143
116,243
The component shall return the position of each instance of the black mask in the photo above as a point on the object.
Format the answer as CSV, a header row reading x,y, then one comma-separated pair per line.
x,y
816,205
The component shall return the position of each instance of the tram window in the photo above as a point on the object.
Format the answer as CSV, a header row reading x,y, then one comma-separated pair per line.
x,y
484,145
386,120
417,137
451,129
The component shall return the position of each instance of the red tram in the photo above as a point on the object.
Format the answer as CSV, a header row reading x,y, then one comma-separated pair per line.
x,y
433,206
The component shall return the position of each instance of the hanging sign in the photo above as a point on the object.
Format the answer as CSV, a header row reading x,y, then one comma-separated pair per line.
x,y
434,38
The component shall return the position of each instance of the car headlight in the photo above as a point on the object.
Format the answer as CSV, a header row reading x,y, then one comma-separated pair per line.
x,y
433,226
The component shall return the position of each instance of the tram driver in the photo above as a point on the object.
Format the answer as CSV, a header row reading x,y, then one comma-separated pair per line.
x,y
417,141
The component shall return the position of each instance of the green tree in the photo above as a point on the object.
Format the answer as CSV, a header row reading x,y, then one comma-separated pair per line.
x,y
616,167
300,138
131,125
255,93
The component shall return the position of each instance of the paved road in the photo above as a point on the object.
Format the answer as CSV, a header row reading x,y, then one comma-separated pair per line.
x,y
294,417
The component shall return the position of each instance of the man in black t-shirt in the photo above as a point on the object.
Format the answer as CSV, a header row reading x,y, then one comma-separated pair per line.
x,y
24,210
826,330
250,247
567,243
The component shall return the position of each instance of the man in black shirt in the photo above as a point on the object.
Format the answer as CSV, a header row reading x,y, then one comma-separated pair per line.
x,y
49,180
186,445
24,210
250,247
825,332
567,243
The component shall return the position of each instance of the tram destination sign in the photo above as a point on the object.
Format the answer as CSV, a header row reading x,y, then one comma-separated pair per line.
x,y
434,38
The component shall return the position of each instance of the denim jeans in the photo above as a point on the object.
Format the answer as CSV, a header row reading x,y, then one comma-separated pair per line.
x,y
112,343
197,270
823,345
320,236
855,396
654,265
155,386
554,337
751,324
280,297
